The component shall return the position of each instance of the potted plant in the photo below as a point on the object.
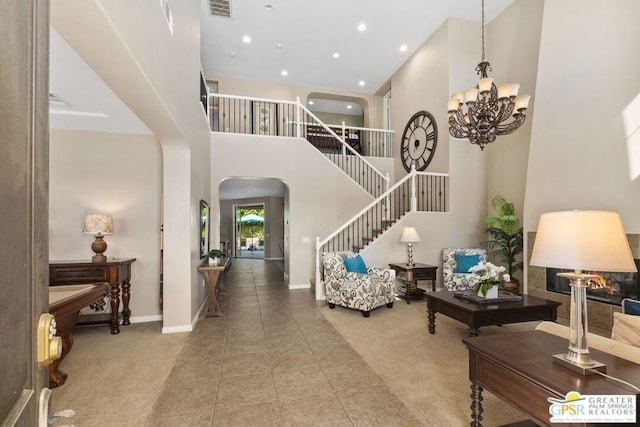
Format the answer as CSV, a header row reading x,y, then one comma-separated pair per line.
x,y
505,237
489,280
214,256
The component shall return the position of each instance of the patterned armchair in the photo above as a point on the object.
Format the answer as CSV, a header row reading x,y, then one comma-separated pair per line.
x,y
359,291
452,278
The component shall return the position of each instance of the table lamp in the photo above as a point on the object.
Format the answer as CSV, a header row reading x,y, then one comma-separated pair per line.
x,y
409,236
98,225
581,240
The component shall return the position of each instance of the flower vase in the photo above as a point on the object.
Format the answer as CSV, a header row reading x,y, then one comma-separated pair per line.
x,y
213,261
492,292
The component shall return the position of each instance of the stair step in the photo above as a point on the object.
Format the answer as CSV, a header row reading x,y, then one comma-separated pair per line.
x,y
387,222
357,248
366,240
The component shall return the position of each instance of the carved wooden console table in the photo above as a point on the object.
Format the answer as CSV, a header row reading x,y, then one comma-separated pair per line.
x,y
116,272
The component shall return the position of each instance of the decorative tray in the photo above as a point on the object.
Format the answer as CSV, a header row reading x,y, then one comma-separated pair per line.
x,y
503,296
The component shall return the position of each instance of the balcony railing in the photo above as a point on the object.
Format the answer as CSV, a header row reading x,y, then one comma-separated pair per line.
x,y
344,146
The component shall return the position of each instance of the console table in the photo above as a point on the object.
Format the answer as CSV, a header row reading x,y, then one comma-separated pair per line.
x,y
213,277
519,368
410,274
65,303
116,272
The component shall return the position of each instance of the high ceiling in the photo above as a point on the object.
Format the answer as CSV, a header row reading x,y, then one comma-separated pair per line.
x,y
294,35
301,37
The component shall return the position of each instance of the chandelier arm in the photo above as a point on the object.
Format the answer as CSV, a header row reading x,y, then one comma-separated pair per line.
x,y
507,128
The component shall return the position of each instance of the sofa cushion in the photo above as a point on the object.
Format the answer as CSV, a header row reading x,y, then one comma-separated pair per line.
x,y
626,328
631,306
355,264
465,262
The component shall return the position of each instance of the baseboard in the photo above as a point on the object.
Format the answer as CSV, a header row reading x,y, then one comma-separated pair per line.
x,y
175,329
274,259
196,319
302,286
145,319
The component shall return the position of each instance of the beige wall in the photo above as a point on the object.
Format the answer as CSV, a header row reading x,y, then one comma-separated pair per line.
x,y
115,174
587,78
107,35
321,197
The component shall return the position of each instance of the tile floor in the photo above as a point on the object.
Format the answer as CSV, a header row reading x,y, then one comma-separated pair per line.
x,y
273,360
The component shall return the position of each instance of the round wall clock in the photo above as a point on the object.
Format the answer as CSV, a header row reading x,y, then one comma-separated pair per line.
x,y
419,141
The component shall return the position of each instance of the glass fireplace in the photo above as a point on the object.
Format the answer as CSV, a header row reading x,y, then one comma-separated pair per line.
x,y
611,288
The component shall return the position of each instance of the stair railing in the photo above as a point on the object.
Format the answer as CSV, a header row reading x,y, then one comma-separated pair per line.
x,y
269,117
417,191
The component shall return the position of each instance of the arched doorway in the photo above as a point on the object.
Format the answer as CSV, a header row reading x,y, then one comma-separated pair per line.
x,y
248,197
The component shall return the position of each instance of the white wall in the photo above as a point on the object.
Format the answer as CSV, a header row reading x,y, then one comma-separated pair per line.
x,y
94,172
587,78
321,197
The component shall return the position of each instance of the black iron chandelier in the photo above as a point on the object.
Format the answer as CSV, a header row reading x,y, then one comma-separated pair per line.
x,y
482,113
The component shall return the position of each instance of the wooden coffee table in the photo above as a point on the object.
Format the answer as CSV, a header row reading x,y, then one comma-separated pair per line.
x,y
478,315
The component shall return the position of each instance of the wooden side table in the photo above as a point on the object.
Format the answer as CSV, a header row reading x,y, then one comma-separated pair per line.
x,y
116,272
410,274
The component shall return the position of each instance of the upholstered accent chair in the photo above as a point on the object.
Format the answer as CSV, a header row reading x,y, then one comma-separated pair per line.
x,y
359,291
455,267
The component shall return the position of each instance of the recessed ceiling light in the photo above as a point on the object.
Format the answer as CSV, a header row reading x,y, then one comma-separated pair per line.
x,y
246,39
310,102
284,73
232,54
268,7
336,55
349,107
279,46
403,48
361,83
362,27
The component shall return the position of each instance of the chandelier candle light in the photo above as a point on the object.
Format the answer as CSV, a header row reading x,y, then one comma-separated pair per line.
x,y
409,236
98,225
488,107
581,240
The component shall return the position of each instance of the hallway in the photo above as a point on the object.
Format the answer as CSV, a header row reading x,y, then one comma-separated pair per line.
x,y
273,360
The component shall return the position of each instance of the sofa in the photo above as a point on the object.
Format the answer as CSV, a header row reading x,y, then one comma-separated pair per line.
x,y
364,291
624,342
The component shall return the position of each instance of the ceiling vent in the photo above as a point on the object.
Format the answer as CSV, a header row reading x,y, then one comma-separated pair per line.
x,y
220,8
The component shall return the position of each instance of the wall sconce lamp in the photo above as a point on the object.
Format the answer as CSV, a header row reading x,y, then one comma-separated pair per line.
x,y
409,236
98,225
581,240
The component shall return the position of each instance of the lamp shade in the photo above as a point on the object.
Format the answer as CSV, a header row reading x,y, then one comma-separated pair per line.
x,y
409,235
98,224
582,240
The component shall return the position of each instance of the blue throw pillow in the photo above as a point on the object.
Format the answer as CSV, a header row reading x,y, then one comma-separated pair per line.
x,y
355,264
465,262
631,306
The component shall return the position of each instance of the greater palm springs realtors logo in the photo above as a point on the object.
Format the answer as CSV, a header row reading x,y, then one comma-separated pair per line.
x,y
593,408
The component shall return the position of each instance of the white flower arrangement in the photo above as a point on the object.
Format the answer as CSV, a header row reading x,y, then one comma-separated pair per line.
x,y
488,275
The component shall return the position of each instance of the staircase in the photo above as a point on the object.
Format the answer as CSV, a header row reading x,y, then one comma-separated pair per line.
x,y
417,191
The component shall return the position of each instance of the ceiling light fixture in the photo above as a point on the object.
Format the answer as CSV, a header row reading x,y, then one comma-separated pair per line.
x,y
403,48
362,27
336,55
361,83
487,107
310,102
349,107
232,54
279,46
246,39
268,7
284,72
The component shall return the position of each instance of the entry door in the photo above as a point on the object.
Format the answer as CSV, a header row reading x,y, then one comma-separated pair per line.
x,y
24,252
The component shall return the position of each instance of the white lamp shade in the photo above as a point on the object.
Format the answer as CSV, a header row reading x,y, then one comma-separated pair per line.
x,y
98,224
409,235
582,240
